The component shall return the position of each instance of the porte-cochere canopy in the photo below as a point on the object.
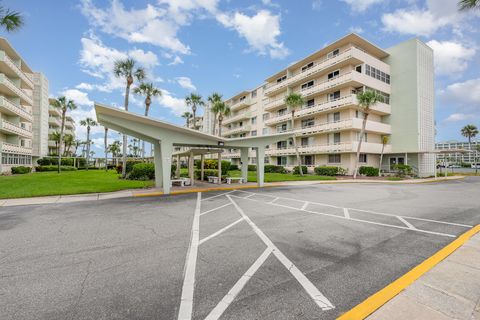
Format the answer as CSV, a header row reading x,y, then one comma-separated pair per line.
x,y
165,136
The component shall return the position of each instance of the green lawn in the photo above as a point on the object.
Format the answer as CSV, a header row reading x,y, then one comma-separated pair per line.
x,y
278,177
68,182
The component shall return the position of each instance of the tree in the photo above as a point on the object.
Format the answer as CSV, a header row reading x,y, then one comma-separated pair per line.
x,y
366,99
294,101
187,115
114,149
10,20
64,105
222,110
88,122
214,98
56,138
149,91
194,101
384,142
469,132
105,143
68,141
77,143
468,4
127,70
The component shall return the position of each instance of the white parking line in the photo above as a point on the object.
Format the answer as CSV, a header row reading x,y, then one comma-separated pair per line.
x,y
218,195
211,210
305,205
314,293
217,312
186,302
213,235
346,213
408,224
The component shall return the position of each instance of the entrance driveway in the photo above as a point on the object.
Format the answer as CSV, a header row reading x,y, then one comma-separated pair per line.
x,y
310,252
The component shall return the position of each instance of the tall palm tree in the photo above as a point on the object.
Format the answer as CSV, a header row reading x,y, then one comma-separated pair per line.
x,y
127,70
187,115
214,98
385,140
68,141
469,131
468,4
114,149
294,101
149,91
64,105
77,143
222,110
56,138
366,100
105,143
194,101
10,20
88,122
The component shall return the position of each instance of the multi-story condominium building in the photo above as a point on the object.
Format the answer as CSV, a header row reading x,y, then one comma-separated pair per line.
x,y
54,126
457,157
327,127
40,116
16,102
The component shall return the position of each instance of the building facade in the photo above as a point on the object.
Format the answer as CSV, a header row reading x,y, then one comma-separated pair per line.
x,y
457,157
40,116
327,127
54,127
16,109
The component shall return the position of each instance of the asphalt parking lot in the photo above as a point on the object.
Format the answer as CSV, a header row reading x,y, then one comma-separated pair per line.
x,y
310,252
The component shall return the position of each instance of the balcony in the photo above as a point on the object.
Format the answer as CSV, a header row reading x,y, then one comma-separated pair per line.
x,y
11,69
236,130
351,56
54,121
337,104
347,147
241,104
10,128
238,117
7,87
13,148
54,111
8,107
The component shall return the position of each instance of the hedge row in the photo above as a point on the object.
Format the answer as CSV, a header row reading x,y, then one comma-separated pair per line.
x,y
368,171
21,170
329,171
213,164
54,168
80,162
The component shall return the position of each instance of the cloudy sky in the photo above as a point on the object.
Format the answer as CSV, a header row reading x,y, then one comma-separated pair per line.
x,y
226,46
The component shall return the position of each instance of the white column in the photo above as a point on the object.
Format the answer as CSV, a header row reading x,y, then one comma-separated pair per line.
x,y
191,168
166,150
219,168
202,167
157,159
244,159
260,165
177,169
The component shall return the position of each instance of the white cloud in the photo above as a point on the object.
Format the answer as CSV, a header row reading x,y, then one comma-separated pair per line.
x,y
465,93
455,117
260,30
451,58
84,86
175,61
186,83
177,106
79,97
361,5
317,4
357,30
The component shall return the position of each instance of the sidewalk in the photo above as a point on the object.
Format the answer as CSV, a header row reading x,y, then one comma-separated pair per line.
x,y
450,290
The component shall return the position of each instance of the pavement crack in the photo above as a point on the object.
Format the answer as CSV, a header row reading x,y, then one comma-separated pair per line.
x,y
82,290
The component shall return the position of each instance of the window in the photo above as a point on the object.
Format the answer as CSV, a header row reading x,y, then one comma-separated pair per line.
x,y
282,127
282,79
334,96
253,133
310,103
333,138
333,117
266,116
333,53
334,158
240,124
362,158
308,66
308,160
377,74
254,120
243,98
307,85
281,112
281,161
264,131
308,123
333,74
304,142
358,68
254,93
358,114
364,137
242,135
281,144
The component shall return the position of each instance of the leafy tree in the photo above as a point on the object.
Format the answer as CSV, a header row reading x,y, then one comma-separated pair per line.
x,y
214,98
469,131
194,101
468,4
294,101
88,122
105,143
222,110
68,141
10,20
385,140
64,105
187,116
56,138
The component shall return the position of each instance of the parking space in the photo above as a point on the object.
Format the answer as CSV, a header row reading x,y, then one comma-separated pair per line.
x,y
310,252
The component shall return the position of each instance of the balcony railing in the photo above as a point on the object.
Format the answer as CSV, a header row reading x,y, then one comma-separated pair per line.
x,y
13,148
22,75
10,127
54,121
236,130
241,104
18,110
238,117
367,147
16,90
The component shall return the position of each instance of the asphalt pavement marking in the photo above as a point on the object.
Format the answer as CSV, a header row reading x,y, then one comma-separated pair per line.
x,y
219,195
213,235
214,209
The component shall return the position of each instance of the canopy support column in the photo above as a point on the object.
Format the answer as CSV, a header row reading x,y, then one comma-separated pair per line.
x,y
191,171
165,150
260,165
244,160
202,167
177,169
157,160
219,168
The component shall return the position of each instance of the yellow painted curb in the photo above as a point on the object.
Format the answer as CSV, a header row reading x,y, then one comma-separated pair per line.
x,y
154,194
372,303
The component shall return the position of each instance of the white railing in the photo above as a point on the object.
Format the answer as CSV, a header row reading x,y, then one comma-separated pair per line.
x,y
54,120
237,117
13,148
18,110
236,130
240,104
24,76
367,147
15,129
18,91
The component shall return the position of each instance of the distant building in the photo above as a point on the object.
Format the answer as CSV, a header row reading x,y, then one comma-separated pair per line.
x,y
456,157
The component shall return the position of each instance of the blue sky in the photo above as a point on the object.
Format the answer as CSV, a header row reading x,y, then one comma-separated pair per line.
x,y
227,46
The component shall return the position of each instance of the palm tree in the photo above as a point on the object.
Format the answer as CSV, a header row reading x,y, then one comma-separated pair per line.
x,y
469,4
366,100
114,149
214,98
68,141
222,110
149,91
384,142
77,143
10,20
194,101
127,70
56,138
64,105
187,115
105,142
88,122
294,101
469,131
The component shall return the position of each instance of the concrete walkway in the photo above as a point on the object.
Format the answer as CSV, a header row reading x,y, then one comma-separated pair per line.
x,y
450,290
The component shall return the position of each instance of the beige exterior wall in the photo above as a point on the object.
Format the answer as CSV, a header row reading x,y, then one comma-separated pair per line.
x,y
40,116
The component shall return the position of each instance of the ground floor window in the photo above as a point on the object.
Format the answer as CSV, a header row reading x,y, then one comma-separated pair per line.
x,y
308,160
362,158
19,159
281,161
334,158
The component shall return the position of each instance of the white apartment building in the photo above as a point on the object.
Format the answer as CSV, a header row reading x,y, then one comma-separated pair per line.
x,y
40,116
327,127
16,109
55,124
457,157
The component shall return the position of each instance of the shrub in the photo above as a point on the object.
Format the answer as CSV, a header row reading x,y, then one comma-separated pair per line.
x,y
44,162
130,164
172,170
402,169
21,170
270,168
296,170
81,162
67,162
213,164
234,167
142,171
329,171
206,173
368,171
54,168
252,167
